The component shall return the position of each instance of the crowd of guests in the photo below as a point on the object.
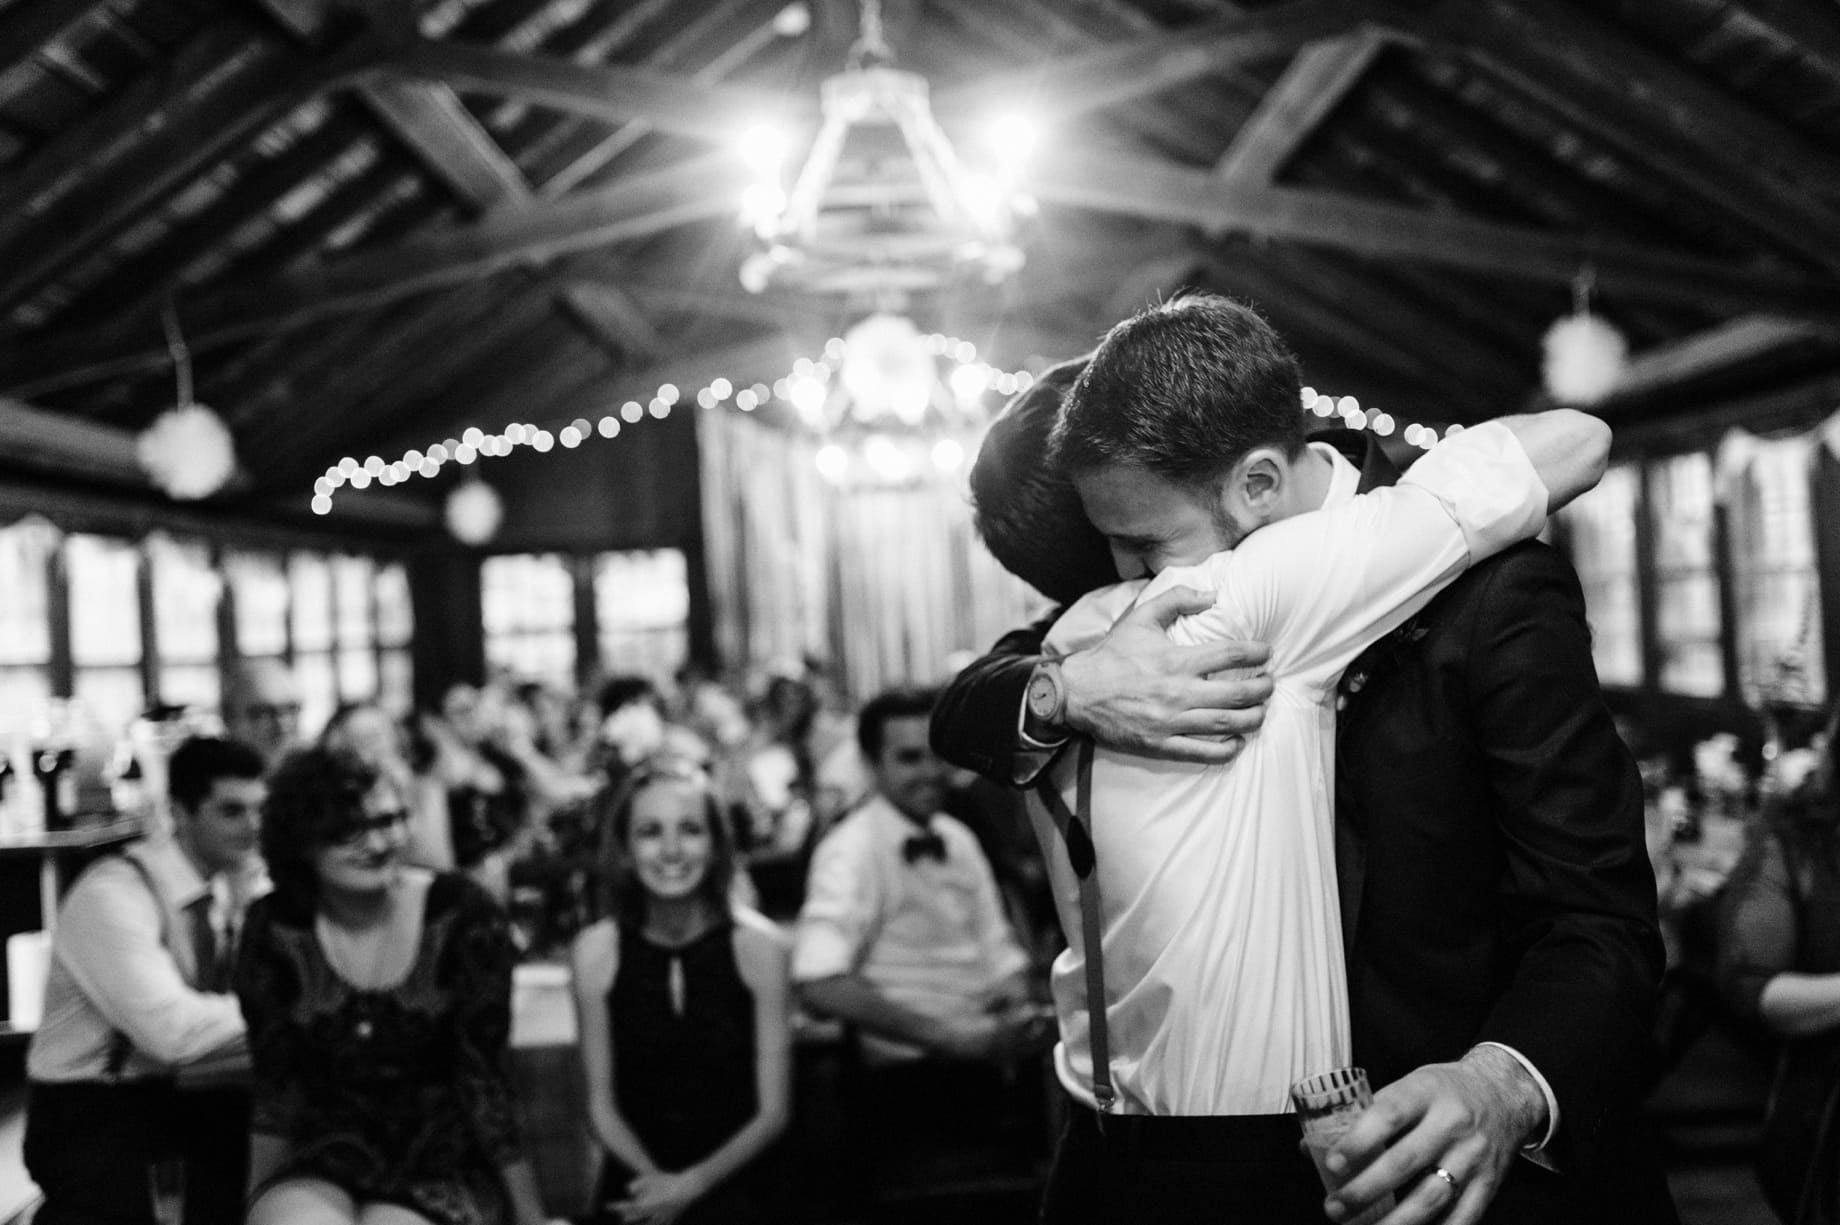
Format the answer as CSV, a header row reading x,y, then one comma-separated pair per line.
x,y
301,987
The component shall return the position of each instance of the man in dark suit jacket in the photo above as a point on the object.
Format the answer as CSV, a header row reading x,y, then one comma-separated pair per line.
x,y
1490,858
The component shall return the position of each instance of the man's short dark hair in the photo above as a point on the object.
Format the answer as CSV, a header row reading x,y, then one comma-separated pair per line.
x,y
872,721
198,762
1183,389
1027,510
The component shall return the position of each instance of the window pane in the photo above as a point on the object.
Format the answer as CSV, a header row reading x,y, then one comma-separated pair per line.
x,y
185,594
24,692
641,609
395,615
194,685
312,603
1686,576
352,592
111,697
1780,652
1603,532
528,607
259,582
396,683
25,617
319,693
105,604
357,675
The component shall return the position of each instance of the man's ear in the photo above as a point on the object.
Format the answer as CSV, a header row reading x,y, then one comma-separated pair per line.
x,y
1258,483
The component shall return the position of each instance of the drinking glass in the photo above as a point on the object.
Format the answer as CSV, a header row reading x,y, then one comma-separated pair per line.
x,y
1327,1106
166,1189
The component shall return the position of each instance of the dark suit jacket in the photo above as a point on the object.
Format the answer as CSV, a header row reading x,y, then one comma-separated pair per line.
x,y
1495,885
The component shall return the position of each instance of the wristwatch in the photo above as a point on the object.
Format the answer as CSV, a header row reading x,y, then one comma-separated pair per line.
x,y
1046,695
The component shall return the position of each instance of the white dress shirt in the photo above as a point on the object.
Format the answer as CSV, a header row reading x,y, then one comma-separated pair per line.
x,y
931,935
1223,948
122,961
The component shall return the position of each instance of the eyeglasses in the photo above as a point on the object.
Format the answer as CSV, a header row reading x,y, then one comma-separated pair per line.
x,y
355,832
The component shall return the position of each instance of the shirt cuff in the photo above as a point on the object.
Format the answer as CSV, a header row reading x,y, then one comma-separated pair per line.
x,y
1032,755
821,952
1552,1103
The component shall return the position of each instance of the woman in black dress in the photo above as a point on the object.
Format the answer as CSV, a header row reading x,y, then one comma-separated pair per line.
x,y
378,999
682,998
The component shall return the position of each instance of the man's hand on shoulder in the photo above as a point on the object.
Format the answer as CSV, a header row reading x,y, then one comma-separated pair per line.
x,y
1138,691
1469,1119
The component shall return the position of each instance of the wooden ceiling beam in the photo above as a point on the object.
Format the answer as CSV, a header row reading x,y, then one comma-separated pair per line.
x,y
429,119
611,93
1762,173
27,25
1811,30
1138,186
69,446
609,317
159,132
1444,337
1744,339
636,206
1312,86
1143,67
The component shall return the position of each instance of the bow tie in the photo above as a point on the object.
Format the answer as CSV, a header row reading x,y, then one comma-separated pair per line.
x,y
924,845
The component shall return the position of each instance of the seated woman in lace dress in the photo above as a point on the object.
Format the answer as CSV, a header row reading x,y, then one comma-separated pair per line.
x,y
378,999
682,1000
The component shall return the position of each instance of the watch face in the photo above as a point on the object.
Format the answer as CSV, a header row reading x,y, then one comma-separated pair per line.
x,y
1041,697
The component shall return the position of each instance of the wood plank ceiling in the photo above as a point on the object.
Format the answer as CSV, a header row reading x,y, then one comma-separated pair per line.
x,y
378,223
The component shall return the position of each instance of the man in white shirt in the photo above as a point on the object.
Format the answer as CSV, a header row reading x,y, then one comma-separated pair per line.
x,y
1222,937
141,1042
903,936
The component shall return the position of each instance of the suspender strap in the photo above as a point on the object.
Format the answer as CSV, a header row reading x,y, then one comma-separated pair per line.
x,y
1075,828
120,1045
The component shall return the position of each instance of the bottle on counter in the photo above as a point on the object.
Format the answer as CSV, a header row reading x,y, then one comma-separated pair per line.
x,y
54,761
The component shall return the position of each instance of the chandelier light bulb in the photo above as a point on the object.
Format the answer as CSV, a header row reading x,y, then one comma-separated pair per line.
x,y
833,463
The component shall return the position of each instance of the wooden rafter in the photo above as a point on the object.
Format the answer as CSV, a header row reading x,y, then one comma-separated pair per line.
x,y
429,119
615,94
27,24
1743,339
1315,84
1811,29
59,192
610,318
635,206
1143,187
1754,168
1152,64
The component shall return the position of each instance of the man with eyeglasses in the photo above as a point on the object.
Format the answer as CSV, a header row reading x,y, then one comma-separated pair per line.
x,y
262,707
141,1054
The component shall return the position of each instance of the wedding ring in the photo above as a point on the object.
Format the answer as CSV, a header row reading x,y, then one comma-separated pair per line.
x,y
1455,1187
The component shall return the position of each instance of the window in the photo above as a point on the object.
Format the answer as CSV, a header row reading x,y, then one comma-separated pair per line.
x,y
354,602
311,581
1687,620
186,590
259,583
641,610
528,607
1780,652
105,627
25,622
1602,524
395,632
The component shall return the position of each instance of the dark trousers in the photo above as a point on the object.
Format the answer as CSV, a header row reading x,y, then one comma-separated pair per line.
x,y
1219,1170
87,1146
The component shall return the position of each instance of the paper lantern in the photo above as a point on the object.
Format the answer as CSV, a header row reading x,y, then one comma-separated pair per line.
x,y
1585,357
474,512
188,452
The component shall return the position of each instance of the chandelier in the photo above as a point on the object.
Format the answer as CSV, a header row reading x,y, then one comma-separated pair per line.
x,y
883,205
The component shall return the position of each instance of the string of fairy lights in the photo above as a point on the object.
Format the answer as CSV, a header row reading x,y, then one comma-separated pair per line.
x,y
1349,409
805,388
